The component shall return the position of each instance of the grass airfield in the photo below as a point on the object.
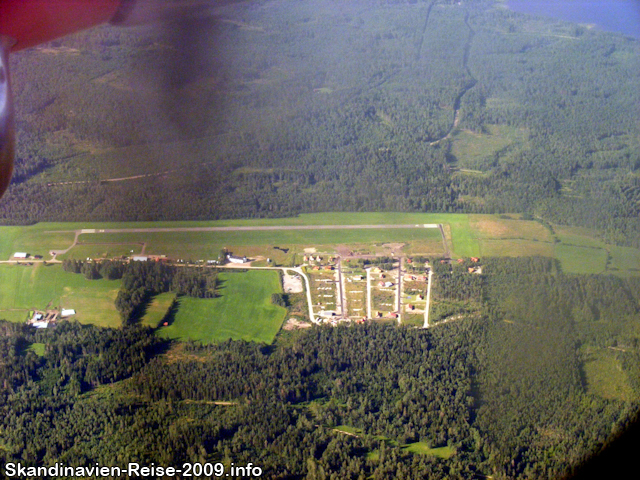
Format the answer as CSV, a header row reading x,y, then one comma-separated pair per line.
x,y
36,286
579,250
25,288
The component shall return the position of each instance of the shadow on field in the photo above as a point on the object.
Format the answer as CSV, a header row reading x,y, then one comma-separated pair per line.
x,y
170,316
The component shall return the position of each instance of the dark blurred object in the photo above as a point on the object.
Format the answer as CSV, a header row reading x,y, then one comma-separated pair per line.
x,y
7,128
616,460
26,23
31,22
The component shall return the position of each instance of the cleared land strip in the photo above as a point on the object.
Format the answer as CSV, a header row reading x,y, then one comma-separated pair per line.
x,y
426,308
240,229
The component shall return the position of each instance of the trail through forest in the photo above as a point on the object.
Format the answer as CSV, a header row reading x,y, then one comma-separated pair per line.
x,y
466,88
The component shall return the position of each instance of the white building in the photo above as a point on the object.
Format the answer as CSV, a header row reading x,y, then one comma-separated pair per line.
x,y
20,255
140,259
234,259
67,312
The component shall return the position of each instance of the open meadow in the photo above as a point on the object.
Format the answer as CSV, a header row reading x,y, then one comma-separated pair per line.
x,y
242,312
26,288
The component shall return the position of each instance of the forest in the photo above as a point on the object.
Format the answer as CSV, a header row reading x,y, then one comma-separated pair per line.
x,y
425,105
509,393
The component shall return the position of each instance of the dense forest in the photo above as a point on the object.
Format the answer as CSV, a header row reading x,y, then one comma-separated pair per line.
x,y
289,107
508,393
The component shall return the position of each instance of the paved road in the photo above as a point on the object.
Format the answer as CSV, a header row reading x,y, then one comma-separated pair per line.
x,y
242,229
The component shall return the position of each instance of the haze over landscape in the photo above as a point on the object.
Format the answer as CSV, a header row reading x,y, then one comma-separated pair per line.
x,y
365,239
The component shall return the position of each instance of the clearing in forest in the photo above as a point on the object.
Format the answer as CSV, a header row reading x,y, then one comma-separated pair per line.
x,y
243,311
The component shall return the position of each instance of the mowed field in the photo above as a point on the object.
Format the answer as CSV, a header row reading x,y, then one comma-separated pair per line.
x,y
25,288
207,245
243,311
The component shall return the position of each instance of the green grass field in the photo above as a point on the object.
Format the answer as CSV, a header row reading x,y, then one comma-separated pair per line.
x,y
80,252
207,245
24,288
605,376
420,448
625,261
157,309
576,259
424,449
33,239
37,348
243,311
580,251
473,150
